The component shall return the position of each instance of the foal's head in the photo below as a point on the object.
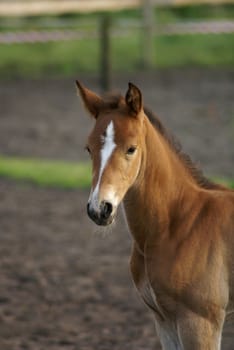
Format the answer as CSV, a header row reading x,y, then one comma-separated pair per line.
x,y
116,145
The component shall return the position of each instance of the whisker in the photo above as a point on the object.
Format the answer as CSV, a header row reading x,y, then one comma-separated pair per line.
x,y
103,231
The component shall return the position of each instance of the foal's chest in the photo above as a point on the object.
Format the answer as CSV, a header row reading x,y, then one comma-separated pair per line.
x,y
151,299
143,285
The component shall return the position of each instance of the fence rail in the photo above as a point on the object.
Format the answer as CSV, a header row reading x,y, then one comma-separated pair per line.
x,y
31,37
40,7
21,8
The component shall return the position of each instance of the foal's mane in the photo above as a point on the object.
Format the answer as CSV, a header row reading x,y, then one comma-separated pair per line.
x,y
112,101
175,145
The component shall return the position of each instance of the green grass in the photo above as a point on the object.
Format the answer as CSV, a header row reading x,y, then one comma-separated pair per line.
x,y
224,181
46,173
70,58
195,50
198,11
53,59
59,174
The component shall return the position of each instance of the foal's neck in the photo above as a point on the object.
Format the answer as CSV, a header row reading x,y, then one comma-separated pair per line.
x,y
163,185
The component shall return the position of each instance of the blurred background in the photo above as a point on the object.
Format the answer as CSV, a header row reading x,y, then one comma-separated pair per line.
x,y
62,286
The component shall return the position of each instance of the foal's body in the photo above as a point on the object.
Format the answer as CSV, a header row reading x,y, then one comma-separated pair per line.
x,y
182,255
182,225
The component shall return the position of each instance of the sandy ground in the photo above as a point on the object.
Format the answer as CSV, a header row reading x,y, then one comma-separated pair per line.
x,y
64,284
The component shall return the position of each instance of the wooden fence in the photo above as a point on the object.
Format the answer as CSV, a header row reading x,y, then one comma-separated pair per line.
x,y
45,7
19,8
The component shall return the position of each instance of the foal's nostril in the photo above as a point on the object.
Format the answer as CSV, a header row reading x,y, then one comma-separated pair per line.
x,y
106,209
88,207
91,213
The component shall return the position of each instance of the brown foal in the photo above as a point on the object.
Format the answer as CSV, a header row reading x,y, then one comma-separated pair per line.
x,y
182,224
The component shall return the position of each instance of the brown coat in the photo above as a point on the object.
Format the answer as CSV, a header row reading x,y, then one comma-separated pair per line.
x,y
182,224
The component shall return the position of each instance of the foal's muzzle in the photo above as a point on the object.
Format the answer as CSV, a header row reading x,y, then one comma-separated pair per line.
x,y
104,216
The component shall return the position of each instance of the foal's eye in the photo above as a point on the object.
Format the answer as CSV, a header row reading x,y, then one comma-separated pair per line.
x,y
131,150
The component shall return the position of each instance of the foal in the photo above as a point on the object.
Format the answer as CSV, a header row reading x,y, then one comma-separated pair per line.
x,y
182,224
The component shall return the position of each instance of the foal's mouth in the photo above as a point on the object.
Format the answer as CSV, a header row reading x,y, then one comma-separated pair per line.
x,y
102,222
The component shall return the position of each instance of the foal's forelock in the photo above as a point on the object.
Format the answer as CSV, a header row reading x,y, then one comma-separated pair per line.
x,y
106,151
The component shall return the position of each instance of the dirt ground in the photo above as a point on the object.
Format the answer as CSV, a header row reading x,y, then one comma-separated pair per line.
x,y
64,283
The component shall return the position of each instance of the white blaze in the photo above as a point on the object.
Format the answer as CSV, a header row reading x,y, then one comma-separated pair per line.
x,y
106,152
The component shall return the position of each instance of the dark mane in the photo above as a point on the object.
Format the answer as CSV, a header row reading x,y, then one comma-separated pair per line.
x,y
112,101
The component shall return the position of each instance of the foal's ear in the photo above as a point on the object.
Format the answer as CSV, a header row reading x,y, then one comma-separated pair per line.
x,y
92,101
133,99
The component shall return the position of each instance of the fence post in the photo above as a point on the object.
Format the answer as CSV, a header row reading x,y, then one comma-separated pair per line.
x,y
105,51
147,34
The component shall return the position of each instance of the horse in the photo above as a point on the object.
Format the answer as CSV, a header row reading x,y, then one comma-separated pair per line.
x,y
182,224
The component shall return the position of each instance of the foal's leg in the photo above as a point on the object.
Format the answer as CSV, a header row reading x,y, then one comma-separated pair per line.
x,y
168,336
197,333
